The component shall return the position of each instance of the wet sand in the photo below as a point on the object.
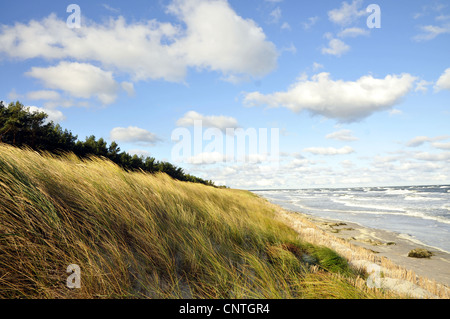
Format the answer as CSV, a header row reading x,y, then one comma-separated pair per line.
x,y
369,249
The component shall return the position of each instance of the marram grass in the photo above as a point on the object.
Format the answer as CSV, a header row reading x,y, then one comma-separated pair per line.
x,y
137,235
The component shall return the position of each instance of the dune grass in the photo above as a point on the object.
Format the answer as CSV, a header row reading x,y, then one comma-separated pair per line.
x,y
137,235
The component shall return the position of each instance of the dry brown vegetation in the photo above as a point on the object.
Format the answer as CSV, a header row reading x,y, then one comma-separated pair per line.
x,y
138,235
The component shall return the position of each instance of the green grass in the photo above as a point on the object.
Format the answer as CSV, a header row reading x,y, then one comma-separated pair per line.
x,y
137,235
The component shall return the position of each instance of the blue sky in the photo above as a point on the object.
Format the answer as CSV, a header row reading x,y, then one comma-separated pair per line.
x,y
353,105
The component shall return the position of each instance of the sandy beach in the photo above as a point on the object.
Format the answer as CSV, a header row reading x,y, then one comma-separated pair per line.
x,y
382,254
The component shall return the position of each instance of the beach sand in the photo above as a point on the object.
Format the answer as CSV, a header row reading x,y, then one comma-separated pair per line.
x,y
382,254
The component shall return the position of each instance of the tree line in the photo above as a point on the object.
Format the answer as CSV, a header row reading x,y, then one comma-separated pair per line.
x,y
20,127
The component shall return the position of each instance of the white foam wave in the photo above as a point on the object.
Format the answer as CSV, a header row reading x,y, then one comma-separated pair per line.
x,y
380,211
404,209
391,191
360,204
422,198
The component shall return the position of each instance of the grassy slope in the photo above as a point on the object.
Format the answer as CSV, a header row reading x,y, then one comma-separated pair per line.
x,y
148,236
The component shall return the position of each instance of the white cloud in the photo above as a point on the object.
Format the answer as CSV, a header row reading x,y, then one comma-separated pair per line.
x,y
80,80
51,104
346,101
395,112
422,86
443,83
43,95
310,22
353,32
53,115
347,13
420,140
292,49
285,26
218,39
342,135
128,87
429,32
433,157
134,134
442,17
317,66
329,150
347,164
109,8
275,15
336,47
206,158
13,95
389,170
442,146
214,38
328,35
220,122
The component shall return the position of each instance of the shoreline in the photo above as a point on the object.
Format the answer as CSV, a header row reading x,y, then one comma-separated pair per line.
x,y
376,250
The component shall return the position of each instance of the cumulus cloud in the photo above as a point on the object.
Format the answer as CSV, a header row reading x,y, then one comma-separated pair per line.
x,y
134,134
329,150
443,83
221,122
346,101
53,115
43,95
218,39
342,135
336,47
347,13
80,80
214,38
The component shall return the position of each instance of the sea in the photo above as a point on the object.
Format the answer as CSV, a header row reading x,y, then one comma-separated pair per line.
x,y
418,213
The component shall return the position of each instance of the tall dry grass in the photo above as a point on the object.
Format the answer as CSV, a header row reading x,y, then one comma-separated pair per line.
x,y
137,235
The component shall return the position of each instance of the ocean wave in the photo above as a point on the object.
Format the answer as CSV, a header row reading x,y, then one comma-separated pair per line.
x,y
380,211
391,191
359,204
422,211
422,198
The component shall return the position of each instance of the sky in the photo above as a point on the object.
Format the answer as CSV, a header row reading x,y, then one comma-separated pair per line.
x,y
255,94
